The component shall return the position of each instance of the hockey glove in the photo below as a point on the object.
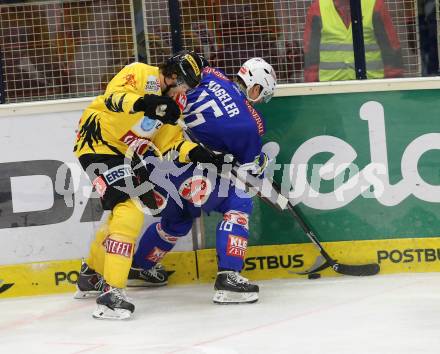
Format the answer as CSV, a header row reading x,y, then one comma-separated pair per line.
x,y
257,167
162,108
201,155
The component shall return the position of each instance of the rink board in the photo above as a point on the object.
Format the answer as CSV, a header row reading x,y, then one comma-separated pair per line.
x,y
262,262
48,212
390,187
47,209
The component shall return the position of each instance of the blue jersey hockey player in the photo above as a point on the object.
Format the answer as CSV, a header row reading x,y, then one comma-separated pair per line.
x,y
220,114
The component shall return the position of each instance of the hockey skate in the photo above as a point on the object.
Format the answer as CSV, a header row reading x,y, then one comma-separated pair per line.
x,y
231,288
156,276
89,284
113,304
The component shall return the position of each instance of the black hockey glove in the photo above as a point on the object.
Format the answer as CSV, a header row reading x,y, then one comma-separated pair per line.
x,y
162,108
200,154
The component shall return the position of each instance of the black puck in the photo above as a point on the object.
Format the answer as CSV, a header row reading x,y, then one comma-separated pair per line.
x,y
314,276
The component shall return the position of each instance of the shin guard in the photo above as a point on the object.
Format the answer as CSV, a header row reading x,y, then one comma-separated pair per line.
x,y
124,228
231,241
153,246
96,257
118,256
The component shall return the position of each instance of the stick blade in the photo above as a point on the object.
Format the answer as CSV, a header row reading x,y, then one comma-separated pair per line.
x,y
358,270
320,264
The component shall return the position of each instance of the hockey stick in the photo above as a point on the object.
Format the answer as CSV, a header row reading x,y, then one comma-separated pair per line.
x,y
322,262
346,269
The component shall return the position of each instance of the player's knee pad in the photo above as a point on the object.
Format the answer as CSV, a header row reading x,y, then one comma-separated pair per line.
x,y
231,240
177,228
127,219
154,244
237,202
238,218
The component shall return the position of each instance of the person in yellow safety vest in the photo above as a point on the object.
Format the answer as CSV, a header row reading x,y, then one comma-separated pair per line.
x,y
113,130
328,42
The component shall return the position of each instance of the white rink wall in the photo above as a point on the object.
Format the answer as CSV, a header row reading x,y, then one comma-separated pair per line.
x,y
41,220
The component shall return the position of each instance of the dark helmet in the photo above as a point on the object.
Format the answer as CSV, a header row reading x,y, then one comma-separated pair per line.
x,y
188,66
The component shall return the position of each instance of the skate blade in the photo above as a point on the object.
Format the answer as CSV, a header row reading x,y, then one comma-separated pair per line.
x,y
86,294
139,283
225,297
103,312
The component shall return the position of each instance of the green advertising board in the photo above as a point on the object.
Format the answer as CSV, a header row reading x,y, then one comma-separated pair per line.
x,y
371,161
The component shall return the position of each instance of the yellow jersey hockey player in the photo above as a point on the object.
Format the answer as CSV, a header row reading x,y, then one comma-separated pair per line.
x,y
111,127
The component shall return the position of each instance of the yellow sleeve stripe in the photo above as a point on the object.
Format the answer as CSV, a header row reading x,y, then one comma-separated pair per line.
x,y
184,148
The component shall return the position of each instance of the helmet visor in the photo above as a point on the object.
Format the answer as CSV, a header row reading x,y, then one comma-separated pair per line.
x,y
264,96
267,95
183,79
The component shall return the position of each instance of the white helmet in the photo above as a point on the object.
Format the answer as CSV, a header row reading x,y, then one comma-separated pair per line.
x,y
257,71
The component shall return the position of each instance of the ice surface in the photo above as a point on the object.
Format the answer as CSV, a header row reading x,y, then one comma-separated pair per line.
x,y
386,314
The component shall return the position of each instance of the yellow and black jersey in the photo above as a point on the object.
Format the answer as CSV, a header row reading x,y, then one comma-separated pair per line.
x,y
109,125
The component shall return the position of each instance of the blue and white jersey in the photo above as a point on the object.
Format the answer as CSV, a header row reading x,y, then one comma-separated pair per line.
x,y
221,117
